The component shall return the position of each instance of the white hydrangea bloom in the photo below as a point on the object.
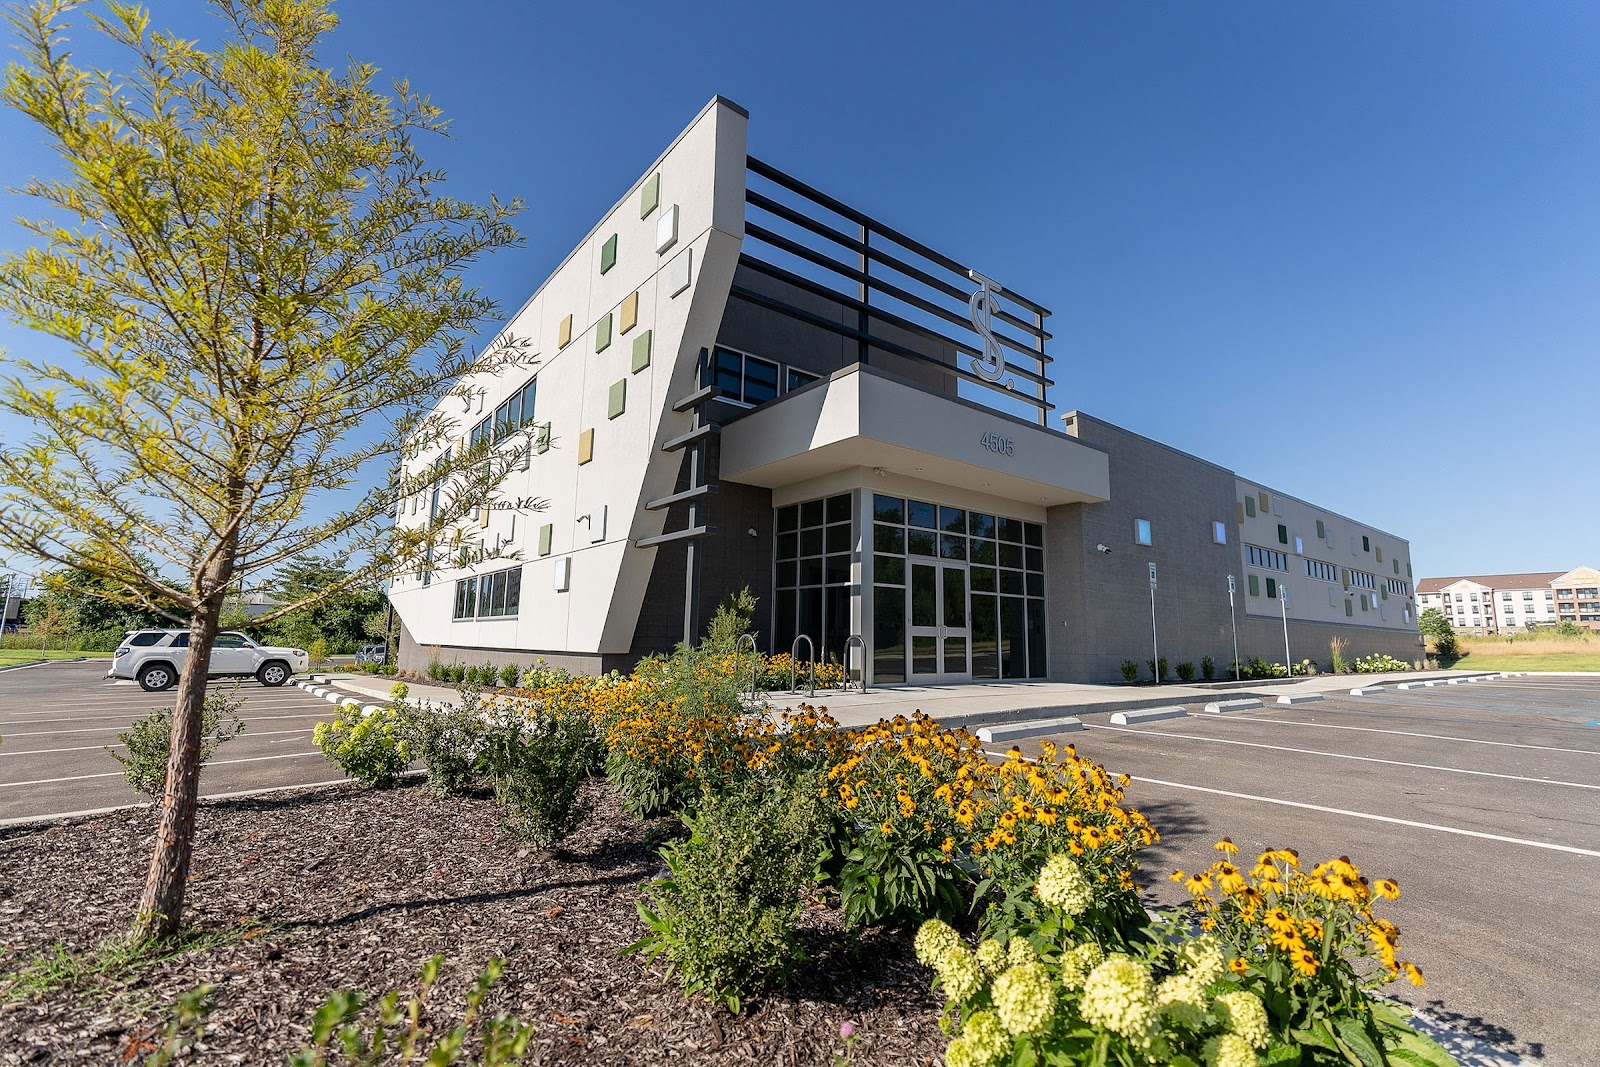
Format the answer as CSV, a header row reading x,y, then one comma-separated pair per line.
x,y
1062,884
1204,958
1024,998
1182,998
1230,1050
1078,961
1243,1013
1118,995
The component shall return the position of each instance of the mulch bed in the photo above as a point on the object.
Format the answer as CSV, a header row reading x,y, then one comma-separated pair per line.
x,y
349,887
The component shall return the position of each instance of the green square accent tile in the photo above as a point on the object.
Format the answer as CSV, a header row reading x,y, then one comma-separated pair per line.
x,y
1255,586
602,333
650,195
617,399
1322,530
1250,506
542,441
641,352
545,533
608,254
1348,610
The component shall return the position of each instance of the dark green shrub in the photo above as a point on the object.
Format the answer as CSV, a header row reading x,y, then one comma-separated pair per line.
x,y
1158,669
449,741
727,916
1208,668
1130,671
149,740
509,675
539,766
1186,672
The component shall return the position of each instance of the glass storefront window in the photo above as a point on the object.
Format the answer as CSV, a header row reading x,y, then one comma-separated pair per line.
x,y
812,590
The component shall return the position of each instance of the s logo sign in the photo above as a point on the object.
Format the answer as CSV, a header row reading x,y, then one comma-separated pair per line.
x,y
990,366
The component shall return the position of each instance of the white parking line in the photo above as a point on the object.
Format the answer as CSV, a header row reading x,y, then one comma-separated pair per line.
x,y
125,709
1374,818
1412,733
118,774
96,748
1340,755
104,729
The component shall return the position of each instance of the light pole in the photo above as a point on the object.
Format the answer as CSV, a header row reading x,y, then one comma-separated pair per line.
x,y
1283,600
1234,619
1155,646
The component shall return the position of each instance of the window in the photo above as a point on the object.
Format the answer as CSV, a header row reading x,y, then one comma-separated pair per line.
x,y
1458,598
230,641
815,549
747,379
515,412
1363,580
149,637
1399,588
1270,558
1326,572
1219,533
497,595
796,378
1141,531
1474,598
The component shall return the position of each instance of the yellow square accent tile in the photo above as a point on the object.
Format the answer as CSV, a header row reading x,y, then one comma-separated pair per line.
x,y
585,447
629,315
564,338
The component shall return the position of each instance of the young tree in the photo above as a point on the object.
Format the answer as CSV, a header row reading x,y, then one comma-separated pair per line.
x,y
1433,624
258,284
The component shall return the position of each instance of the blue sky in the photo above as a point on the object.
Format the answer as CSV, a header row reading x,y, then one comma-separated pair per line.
x,y
1349,250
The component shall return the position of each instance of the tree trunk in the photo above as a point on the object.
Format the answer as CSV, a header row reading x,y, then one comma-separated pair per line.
x,y
161,907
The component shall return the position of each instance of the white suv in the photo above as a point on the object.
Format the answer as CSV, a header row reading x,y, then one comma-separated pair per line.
x,y
154,658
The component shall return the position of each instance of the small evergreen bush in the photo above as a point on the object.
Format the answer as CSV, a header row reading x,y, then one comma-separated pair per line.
x,y
1130,671
1186,672
539,767
509,675
727,916
1158,669
1208,668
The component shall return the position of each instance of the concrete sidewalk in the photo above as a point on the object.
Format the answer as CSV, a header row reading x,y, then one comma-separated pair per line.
x,y
976,704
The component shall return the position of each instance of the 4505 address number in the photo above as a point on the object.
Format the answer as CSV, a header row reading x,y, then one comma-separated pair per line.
x,y
997,444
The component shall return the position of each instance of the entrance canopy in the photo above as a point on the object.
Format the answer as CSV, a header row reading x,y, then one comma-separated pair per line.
x,y
862,417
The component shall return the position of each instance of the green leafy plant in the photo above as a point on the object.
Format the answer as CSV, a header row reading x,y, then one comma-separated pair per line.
x,y
370,746
1158,669
1130,671
509,674
727,916
730,622
1379,663
1208,668
449,740
539,766
149,741
318,652
1186,672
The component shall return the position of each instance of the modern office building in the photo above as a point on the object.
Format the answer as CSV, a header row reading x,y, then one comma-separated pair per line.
x,y
1508,603
742,381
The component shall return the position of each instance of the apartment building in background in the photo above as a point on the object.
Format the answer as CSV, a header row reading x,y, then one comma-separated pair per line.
x,y
1514,603
744,381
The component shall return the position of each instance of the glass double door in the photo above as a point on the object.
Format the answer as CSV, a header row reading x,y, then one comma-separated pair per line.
x,y
941,630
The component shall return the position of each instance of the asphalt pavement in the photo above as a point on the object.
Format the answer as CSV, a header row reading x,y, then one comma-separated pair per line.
x,y
1481,800
56,720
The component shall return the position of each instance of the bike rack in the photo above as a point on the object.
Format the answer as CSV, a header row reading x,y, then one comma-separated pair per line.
x,y
855,639
755,667
794,664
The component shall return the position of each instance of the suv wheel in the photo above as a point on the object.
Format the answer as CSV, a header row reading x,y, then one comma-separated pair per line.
x,y
156,677
273,673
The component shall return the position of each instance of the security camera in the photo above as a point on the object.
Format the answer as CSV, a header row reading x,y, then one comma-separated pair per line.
x,y
1104,550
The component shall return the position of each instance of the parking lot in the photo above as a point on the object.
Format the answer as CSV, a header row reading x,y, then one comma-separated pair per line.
x,y
56,719
1481,800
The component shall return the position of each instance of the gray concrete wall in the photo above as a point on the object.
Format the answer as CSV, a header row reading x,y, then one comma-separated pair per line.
x,y
415,658
1100,602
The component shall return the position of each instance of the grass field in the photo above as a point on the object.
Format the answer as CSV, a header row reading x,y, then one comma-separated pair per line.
x,y
1530,653
10,657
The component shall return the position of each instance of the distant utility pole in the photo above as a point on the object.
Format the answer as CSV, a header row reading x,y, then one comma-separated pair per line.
x,y
1155,646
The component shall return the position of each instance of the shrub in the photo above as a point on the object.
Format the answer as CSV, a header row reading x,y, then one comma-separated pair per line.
x,y
1208,668
1257,667
726,916
1186,672
449,740
317,650
367,746
509,675
538,767
1158,669
730,622
1336,661
149,740
435,670
1130,671
1379,662
1067,804
904,794
1297,939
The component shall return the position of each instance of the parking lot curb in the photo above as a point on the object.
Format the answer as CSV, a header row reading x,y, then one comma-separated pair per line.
x,y
1132,718
1300,698
1016,731
1222,707
1366,690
